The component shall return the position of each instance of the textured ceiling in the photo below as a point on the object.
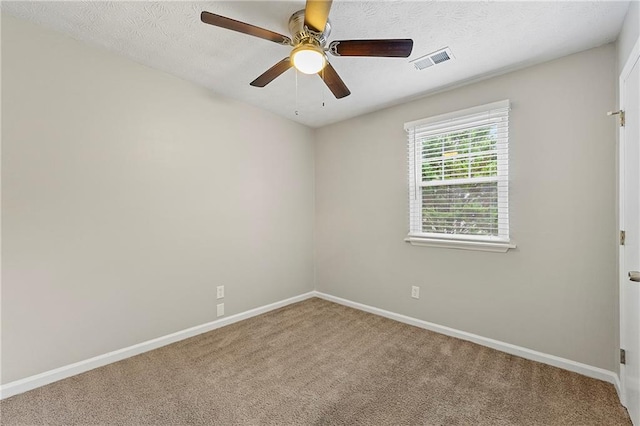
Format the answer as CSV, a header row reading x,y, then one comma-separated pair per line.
x,y
485,38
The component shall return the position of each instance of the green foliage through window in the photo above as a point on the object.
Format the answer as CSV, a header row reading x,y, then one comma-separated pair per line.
x,y
465,208
460,209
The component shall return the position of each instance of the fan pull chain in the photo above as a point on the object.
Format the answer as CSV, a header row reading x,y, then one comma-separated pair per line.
x,y
296,92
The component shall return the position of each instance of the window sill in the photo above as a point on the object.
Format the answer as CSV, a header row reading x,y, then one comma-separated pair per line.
x,y
493,246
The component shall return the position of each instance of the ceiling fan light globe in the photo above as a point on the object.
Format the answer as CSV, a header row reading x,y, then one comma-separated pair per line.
x,y
308,60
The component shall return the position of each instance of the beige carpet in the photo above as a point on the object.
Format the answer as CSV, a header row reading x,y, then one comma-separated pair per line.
x,y
318,363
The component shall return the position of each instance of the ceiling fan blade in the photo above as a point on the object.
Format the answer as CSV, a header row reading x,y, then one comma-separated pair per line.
x,y
316,13
334,82
394,48
241,27
272,73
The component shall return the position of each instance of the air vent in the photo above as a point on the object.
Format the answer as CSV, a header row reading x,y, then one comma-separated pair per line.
x,y
433,58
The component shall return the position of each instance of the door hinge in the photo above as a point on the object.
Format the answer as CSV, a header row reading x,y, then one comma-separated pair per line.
x,y
623,236
623,356
620,113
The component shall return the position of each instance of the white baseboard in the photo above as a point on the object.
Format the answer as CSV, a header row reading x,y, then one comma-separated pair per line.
x,y
618,385
38,380
566,364
32,382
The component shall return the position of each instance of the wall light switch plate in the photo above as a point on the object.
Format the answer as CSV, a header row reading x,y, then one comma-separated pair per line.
x,y
220,292
220,310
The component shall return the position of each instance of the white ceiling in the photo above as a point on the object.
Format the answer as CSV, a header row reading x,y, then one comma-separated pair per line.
x,y
485,37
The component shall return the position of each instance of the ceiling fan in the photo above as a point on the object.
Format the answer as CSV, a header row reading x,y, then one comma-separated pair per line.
x,y
310,29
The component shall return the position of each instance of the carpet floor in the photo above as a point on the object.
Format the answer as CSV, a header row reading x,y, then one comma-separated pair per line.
x,y
319,363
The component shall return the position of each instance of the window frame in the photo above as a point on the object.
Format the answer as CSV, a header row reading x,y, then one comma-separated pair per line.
x,y
500,243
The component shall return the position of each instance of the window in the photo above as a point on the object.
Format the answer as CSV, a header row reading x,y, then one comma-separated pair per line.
x,y
459,179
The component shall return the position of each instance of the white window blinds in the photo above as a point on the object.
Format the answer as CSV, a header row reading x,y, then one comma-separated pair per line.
x,y
459,174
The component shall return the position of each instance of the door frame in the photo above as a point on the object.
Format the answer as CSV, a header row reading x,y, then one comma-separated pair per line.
x,y
634,56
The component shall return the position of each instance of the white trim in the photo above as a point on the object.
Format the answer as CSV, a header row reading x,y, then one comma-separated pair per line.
x,y
566,364
449,115
463,181
38,380
634,56
621,262
492,246
631,60
618,385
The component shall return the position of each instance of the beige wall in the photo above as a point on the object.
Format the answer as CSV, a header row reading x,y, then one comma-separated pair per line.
x,y
555,293
128,195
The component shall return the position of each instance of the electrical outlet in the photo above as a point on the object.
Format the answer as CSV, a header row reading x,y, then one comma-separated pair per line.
x,y
220,309
415,292
220,292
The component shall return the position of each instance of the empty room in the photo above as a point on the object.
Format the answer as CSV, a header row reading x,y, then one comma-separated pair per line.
x,y
320,213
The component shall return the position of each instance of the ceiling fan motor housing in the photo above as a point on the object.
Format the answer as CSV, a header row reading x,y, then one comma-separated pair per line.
x,y
301,34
